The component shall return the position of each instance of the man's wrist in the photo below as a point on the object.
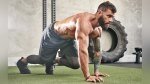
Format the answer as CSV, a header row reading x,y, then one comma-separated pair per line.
x,y
96,72
87,77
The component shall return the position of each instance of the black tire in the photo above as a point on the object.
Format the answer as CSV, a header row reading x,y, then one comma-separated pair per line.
x,y
119,43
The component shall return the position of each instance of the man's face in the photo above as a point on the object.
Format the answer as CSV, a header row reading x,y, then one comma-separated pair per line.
x,y
106,19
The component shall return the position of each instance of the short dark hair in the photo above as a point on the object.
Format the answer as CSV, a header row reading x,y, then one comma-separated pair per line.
x,y
107,5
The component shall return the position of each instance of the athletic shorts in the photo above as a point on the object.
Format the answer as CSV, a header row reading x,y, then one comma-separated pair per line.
x,y
51,42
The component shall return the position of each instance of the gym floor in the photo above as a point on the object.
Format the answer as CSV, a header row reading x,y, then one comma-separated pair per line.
x,y
125,64
120,73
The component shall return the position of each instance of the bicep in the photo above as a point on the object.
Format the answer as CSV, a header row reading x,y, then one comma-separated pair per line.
x,y
83,29
82,40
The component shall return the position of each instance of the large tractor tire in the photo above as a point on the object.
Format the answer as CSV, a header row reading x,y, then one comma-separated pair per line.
x,y
118,42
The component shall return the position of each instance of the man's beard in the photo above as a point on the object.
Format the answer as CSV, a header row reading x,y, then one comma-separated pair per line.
x,y
102,23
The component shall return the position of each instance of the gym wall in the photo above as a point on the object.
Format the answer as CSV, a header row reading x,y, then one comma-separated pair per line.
x,y
24,26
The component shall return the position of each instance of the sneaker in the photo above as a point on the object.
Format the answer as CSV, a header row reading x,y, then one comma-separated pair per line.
x,y
23,67
49,69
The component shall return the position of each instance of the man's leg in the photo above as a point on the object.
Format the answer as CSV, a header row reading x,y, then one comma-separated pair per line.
x,y
46,56
23,62
70,56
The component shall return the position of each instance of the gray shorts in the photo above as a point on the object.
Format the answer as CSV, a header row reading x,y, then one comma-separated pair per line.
x,y
51,42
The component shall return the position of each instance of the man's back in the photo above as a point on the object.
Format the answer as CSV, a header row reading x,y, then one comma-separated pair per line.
x,y
67,27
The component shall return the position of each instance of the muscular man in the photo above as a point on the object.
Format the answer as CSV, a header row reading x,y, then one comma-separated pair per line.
x,y
62,35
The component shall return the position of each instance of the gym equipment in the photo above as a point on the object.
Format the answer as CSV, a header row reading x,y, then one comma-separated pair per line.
x,y
138,53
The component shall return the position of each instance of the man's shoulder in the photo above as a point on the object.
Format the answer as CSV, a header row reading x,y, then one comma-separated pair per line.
x,y
85,15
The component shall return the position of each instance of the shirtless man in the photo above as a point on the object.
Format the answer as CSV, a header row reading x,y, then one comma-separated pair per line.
x,y
62,35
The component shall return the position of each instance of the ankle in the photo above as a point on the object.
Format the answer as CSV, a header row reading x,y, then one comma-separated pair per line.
x,y
24,60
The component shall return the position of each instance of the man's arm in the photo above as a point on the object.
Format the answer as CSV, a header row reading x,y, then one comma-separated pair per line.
x,y
95,35
82,36
97,55
83,29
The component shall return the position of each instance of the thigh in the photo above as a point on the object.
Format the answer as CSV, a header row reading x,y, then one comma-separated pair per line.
x,y
47,54
69,50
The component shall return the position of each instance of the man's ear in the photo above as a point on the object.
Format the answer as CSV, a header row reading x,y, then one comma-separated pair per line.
x,y
99,12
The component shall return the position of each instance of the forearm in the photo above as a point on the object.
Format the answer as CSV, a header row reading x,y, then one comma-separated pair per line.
x,y
83,55
84,63
83,30
97,61
97,55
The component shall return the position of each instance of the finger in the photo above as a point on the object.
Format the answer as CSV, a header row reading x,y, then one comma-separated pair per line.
x,y
98,80
94,80
90,80
107,75
101,79
101,74
104,75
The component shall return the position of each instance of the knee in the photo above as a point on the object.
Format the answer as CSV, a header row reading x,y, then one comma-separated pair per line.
x,y
75,65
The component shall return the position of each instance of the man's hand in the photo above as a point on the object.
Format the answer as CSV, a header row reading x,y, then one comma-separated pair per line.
x,y
101,74
94,79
